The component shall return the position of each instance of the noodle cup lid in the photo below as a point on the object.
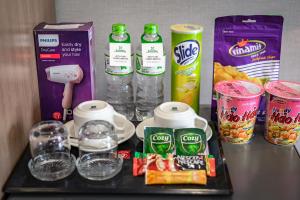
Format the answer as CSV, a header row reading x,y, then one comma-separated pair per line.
x,y
284,89
239,89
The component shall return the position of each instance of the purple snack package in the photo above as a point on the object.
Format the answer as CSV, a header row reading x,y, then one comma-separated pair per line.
x,y
247,48
65,67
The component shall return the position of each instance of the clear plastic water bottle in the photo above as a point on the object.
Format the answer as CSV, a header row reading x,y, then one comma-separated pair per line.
x,y
119,71
150,76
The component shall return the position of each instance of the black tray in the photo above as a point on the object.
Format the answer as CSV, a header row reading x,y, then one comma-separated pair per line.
x,y
21,181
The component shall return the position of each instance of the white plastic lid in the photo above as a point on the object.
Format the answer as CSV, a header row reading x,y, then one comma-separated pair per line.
x,y
186,28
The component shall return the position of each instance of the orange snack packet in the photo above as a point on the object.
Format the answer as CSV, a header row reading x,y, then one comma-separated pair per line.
x,y
176,177
172,170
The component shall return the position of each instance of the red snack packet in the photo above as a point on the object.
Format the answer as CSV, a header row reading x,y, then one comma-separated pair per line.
x,y
139,164
210,166
125,154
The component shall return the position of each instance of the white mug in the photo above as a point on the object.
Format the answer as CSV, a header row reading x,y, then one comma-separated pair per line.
x,y
178,115
96,110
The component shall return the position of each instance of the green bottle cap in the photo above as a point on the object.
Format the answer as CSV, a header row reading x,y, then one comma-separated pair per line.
x,y
118,29
151,29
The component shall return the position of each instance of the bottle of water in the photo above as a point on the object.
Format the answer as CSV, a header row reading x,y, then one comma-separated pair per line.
x,y
119,71
150,68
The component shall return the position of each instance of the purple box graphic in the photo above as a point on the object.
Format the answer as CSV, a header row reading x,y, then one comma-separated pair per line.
x,y
65,67
250,45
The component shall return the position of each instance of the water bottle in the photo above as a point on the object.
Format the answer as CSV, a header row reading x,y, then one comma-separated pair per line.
x,y
119,71
150,68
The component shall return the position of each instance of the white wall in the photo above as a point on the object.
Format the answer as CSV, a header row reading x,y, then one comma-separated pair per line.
x,y
135,13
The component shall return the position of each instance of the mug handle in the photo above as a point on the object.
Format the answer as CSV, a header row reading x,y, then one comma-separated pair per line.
x,y
119,128
203,121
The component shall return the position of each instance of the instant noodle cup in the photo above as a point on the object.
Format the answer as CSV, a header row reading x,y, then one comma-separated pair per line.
x,y
237,107
283,112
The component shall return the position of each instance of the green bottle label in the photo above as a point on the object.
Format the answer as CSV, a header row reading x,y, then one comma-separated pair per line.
x,y
119,61
151,61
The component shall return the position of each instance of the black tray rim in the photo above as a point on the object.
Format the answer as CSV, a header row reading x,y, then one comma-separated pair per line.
x,y
104,191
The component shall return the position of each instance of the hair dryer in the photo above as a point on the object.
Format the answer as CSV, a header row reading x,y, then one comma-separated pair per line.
x,y
69,75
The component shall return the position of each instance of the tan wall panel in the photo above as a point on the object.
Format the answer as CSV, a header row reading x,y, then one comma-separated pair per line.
x,y
19,98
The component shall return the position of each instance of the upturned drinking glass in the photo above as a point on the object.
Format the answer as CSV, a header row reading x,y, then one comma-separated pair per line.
x,y
98,158
50,151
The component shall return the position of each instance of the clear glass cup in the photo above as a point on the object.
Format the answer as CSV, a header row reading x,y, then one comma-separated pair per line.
x,y
98,158
50,151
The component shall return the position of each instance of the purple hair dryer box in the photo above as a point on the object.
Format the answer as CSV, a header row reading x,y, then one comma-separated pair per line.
x,y
65,59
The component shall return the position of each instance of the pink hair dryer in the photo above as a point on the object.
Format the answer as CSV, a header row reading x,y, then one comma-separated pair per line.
x,y
69,75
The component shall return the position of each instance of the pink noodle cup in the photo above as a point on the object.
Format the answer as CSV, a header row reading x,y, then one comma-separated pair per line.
x,y
283,112
237,107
